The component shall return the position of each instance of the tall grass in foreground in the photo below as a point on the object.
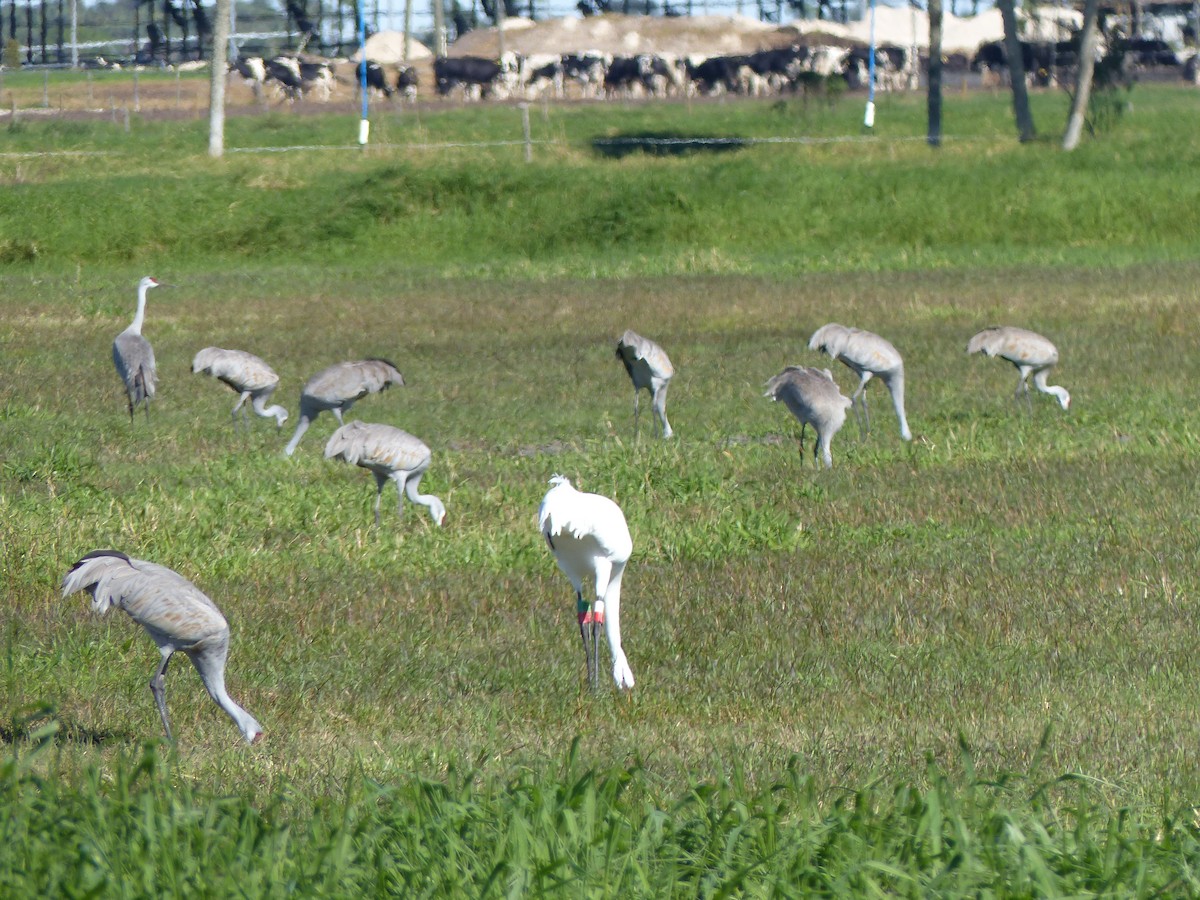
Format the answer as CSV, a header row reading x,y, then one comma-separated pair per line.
x,y
140,830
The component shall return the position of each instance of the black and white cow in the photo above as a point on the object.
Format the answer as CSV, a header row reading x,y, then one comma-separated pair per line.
x,y
586,69
478,77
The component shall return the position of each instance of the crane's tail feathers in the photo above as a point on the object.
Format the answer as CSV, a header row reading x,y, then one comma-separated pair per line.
x,y
93,573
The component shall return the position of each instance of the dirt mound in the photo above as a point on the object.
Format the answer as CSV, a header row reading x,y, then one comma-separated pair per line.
x,y
623,35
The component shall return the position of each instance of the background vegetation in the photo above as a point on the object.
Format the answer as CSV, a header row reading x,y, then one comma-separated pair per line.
x,y
964,665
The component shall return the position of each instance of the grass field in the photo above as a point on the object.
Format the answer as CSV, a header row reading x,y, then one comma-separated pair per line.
x,y
961,666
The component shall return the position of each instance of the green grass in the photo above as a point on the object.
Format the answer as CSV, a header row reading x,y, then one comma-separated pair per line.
x,y
960,666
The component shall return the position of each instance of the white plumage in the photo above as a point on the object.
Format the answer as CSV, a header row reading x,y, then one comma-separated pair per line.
x,y
649,369
868,355
247,375
338,387
134,357
174,612
813,397
389,453
1029,352
591,543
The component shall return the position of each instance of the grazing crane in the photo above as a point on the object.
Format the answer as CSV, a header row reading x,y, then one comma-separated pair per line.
x,y
174,612
590,541
868,355
1029,352
388,453
649,368
813,397
134,357
248,375
338,387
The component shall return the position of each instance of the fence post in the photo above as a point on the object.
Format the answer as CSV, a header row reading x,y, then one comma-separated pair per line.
x,y
524,108
45,88
137,106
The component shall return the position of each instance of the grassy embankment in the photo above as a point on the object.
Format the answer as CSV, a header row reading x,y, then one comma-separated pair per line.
x,y
811,647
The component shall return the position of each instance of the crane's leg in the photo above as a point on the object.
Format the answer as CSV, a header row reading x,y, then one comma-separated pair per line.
x,y
589,633
158,689
401,479
858,401
637,396
380,481
337,414
241,405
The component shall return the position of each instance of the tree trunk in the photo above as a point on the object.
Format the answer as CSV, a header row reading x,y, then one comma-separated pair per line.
x,y
934,136
216,95
1083,77
1016,71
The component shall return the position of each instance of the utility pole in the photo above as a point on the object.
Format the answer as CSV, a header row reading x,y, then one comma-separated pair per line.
x,y
216,95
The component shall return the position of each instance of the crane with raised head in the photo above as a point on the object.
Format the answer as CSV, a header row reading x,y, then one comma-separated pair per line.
x,y
176,614
338,388
814,398
868,356
246,375
134,357
1031,353
591,544
649,369
389,454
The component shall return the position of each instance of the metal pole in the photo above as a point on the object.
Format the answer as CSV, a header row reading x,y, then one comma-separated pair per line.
x,y
524,107
74,34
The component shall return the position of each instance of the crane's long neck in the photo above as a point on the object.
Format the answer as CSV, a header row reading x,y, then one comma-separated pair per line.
x,y
1060,393
432,503
895,386
214,683
140,316
274,411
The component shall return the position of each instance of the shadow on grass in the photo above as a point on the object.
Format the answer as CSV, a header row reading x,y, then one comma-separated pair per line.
x,y
59,731
665,143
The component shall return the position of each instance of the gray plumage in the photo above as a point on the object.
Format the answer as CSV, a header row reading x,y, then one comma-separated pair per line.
x,y
649,369
134,357
248,376
868,355
389,453
174,612
337,388
1031,353
813,397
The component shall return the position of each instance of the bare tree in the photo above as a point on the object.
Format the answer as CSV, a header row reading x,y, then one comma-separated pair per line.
x,y
1016,70
1083,76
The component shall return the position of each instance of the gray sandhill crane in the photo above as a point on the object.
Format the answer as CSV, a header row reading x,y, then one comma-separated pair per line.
x,y
134,357
590,541
813,397
338,387
868,355
388,453
248,376
174,612
1029,352
649,368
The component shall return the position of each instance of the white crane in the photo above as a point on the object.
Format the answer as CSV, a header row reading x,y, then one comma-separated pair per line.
x,y
868,355
134,357
248,376
813,397
389,453
649,368
174,612
338,387
1029,352
590,541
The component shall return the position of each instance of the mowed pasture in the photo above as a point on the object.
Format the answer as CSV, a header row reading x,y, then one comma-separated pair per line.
x,y
965,663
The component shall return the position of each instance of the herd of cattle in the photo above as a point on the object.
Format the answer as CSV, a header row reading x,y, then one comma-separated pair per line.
x,y
595,75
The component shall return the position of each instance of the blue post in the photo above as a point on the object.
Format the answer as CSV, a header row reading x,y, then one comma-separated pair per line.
x,y
364,126
869,117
